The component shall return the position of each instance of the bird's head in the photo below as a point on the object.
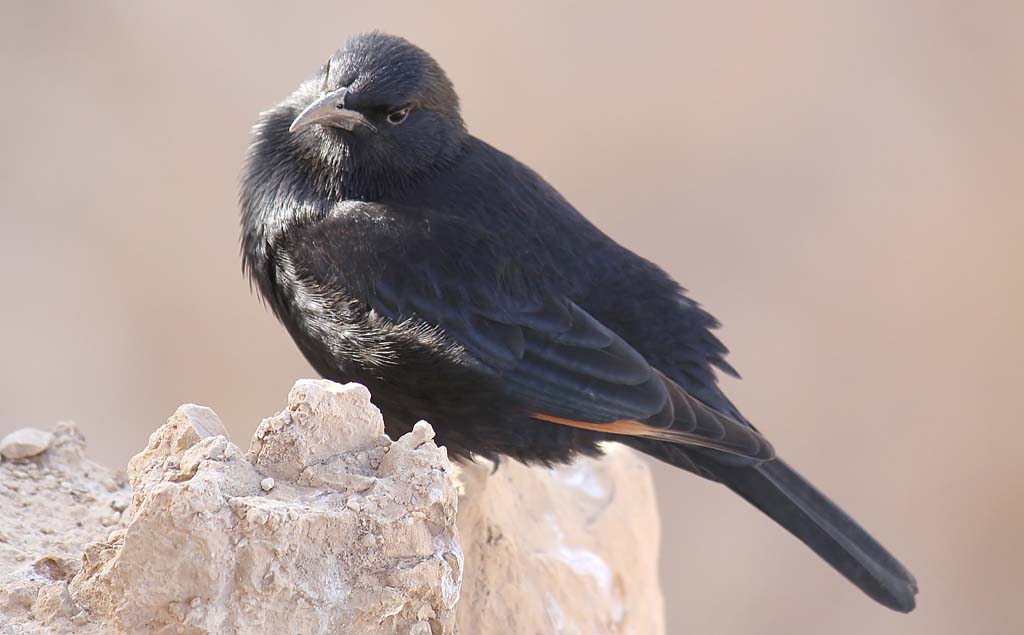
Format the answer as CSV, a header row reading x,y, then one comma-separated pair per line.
x,y
378,114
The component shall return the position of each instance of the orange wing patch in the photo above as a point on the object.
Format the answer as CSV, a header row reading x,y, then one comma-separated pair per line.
x,y
631,428
626,427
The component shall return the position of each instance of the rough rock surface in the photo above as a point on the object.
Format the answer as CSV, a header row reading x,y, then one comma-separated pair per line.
x,y
51,505
357,536
572,550
325,525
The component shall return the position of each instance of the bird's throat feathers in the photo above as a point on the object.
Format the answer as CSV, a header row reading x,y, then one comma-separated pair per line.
x,y
290,176
320,162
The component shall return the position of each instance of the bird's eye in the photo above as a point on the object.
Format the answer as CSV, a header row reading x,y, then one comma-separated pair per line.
x,y
396,117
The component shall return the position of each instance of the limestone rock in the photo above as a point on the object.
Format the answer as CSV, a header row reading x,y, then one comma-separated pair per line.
x,y
325,525
573,549
24,443
51,505
322,417
210,551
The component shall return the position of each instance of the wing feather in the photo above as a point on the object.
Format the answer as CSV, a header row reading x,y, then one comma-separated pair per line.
x,y
563,365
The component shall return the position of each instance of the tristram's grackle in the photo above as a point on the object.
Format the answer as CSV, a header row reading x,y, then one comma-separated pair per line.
x,y
455,283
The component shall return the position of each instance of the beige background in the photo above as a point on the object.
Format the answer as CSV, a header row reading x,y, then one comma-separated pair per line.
x,y
842,187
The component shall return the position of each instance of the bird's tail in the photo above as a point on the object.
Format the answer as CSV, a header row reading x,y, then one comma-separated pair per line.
x,y
788,499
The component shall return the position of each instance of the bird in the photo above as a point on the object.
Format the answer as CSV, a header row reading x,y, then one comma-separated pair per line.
x,y
403,253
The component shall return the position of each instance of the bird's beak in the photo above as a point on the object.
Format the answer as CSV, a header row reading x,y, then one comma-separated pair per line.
x,y
330,110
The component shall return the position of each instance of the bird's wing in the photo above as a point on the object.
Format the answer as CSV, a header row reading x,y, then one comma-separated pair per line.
x,y
561,363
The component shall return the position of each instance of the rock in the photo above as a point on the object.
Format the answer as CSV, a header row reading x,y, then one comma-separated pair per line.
x,y
189,425
583,537
53,603
24,443
210,550
50,508
321,417
325,525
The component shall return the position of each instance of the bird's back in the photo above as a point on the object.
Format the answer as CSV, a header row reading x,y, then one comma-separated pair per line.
x,y
541,230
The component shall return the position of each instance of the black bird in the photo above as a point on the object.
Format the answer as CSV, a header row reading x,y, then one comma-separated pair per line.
x,y
461,288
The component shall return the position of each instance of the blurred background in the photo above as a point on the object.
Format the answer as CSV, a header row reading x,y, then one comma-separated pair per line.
x,y
840,183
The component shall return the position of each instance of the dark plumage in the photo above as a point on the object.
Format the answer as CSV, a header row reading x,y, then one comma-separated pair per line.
x,y
458,286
